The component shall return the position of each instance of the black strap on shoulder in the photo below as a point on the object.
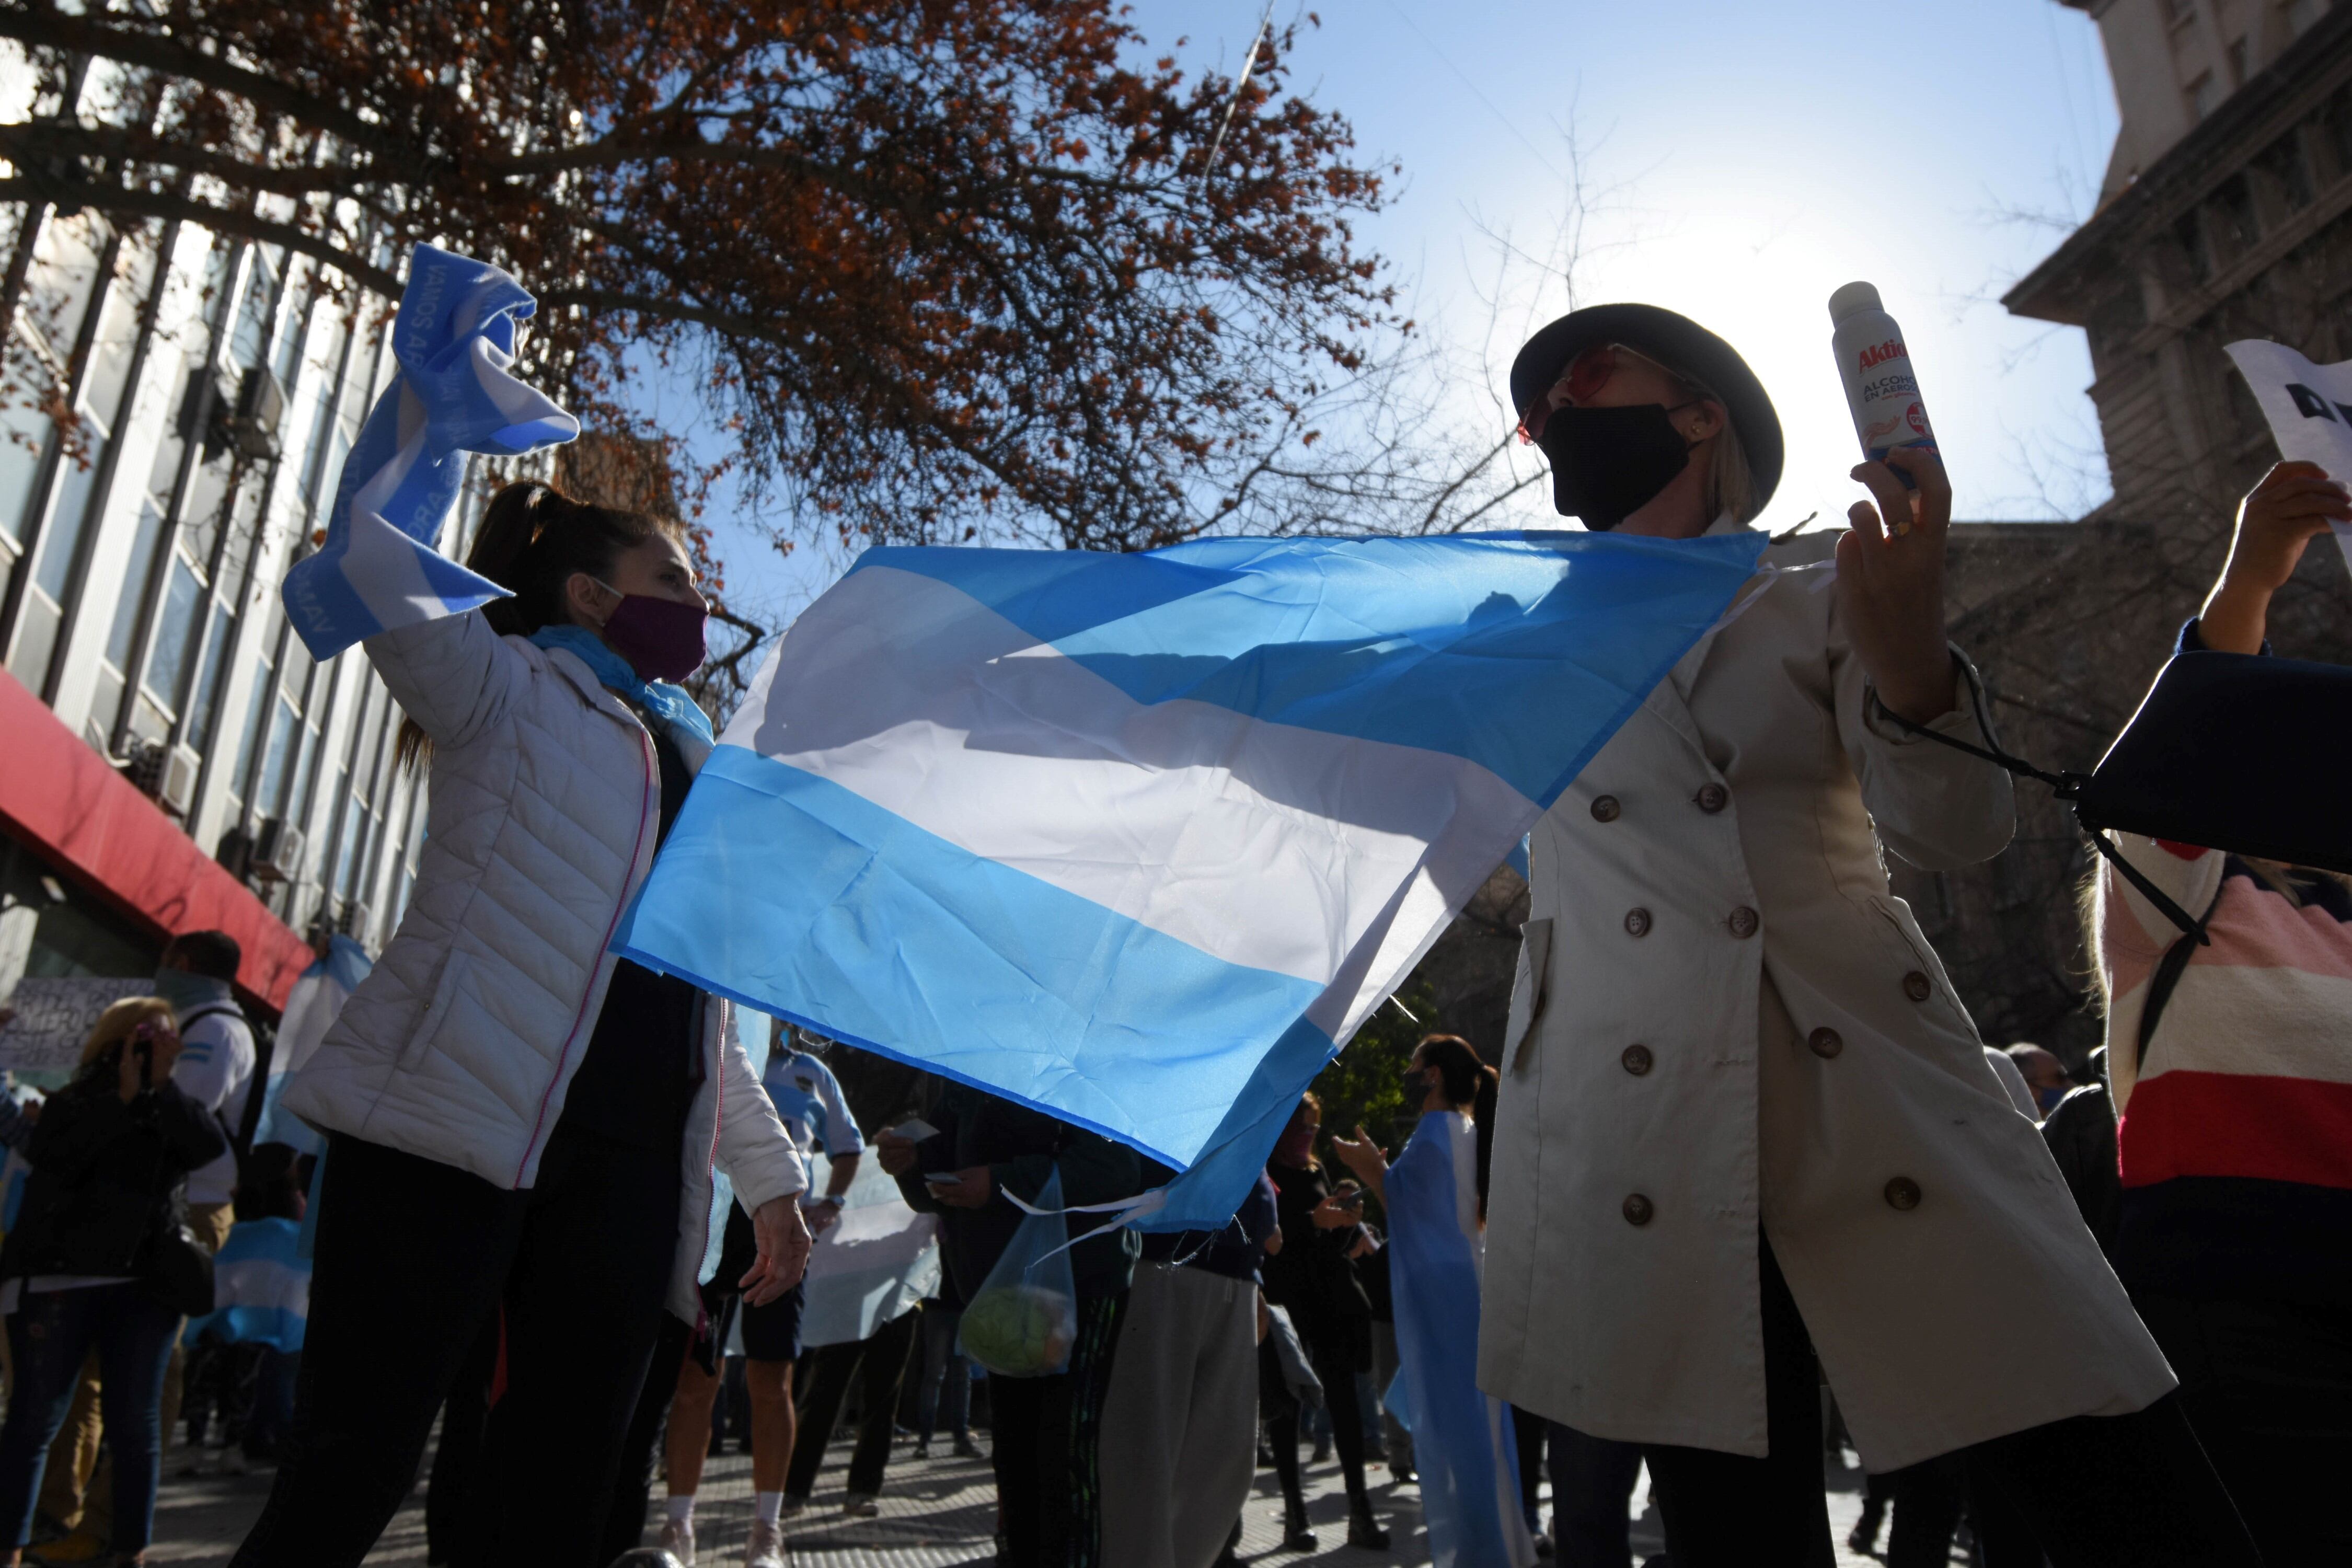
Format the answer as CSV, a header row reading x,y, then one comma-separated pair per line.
x,y
2068,787
240,1136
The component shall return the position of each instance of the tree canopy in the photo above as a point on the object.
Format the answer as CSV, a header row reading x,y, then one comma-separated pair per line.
x,y
945,270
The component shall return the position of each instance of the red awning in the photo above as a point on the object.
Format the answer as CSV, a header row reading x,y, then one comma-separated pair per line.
x,y
63,799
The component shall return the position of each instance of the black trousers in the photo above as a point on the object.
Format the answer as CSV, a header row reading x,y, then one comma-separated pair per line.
x,y
1592,1499
2268,1387
1047,1448
878,1365
456,1457
2119,1491
633,1478
413,1258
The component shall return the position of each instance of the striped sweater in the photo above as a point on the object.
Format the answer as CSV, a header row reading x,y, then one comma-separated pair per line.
x,y
2236,1132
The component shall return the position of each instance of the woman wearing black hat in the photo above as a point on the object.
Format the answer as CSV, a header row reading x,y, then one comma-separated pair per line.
x,y
1746,1135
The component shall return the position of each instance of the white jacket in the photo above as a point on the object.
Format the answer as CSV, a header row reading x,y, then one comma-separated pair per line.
x,y
460,1043
1724,1020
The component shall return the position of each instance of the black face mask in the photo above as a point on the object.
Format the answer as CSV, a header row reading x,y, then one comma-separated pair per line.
x,y
1609,463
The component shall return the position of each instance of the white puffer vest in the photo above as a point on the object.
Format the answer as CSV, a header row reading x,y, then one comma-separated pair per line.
x,y
460,1043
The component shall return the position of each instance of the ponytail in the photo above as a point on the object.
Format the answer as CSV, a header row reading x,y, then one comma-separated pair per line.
x,y
1466,1080
533,539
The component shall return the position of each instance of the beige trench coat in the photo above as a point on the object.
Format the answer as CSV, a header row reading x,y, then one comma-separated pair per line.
x,y
1723,1018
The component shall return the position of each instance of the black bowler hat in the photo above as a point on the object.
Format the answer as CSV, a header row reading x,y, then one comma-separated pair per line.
x,y
1679,343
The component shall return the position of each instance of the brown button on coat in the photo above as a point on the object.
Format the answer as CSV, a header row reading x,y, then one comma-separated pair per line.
x,y
1649,1332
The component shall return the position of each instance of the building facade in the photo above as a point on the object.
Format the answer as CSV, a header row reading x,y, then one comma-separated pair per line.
x,y
211,388
2225,213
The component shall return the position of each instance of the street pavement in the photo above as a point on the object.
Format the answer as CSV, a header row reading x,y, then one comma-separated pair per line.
x,y
936,1513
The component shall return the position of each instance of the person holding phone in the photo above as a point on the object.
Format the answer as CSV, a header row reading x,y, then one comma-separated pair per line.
x,y
89,1263
1746,1133
1313,1279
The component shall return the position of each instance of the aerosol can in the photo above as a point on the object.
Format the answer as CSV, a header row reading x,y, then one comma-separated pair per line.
x,y
1876,368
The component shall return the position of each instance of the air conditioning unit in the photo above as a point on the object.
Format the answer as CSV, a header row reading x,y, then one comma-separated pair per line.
x,y
357,917
178,791
277,851
260,409
235,853
203,411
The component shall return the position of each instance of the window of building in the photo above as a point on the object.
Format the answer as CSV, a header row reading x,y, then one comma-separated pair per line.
x,y
2301,14
2204,95
2285,164
2237,52
2180,12
2188,233
2335,125
98,371
2230,214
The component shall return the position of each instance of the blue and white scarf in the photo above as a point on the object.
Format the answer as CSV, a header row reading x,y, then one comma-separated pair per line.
x,y
378,570
669,704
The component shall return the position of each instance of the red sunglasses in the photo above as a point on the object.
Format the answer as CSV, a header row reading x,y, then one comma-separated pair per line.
x,y
1586,374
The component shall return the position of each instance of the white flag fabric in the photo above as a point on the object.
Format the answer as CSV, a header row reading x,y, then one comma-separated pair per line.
x,y
2309,407
870,1266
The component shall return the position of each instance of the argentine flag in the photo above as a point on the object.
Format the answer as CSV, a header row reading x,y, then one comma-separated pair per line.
x,y
1461,1437
1141,840
378,570
261,1287
317,997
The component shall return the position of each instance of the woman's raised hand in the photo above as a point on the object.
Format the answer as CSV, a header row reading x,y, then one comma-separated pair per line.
x,y
2292,505
1890,584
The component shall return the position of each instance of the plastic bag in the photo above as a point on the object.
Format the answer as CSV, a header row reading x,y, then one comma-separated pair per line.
x,y
1023,1319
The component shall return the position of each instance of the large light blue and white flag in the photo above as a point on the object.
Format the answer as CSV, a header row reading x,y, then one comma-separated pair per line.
x,y
317,998
1141,839
1462,1438
261,1287
378,570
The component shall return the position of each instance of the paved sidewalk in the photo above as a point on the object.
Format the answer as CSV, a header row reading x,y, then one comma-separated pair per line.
x,y
936,1513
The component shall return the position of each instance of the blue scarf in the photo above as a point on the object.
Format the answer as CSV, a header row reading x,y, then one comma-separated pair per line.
x,y
668,703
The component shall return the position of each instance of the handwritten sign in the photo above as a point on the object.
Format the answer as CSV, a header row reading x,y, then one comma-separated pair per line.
x,y
2309,407
54,1016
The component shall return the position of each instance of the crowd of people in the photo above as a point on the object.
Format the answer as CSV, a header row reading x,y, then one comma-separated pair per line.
x,y
1740,1142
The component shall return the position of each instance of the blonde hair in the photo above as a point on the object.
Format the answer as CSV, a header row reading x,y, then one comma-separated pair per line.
x,y
1729,482
118,1023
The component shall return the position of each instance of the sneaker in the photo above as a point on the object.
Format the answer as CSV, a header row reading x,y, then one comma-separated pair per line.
x,y
677,1539
965,1448
861,1505
794,1505
765,1549
81,1547
78,1548
923,1448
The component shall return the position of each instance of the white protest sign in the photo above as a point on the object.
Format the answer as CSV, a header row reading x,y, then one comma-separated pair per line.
x,y
54,1016
2309,407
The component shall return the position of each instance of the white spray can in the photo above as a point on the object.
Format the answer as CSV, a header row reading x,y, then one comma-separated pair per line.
x,y
1876,368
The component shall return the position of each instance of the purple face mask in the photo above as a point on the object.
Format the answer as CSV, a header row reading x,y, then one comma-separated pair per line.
x,y
661,639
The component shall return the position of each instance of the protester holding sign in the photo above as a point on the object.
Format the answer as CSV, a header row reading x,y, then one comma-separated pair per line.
x,y
1744,1119
2230,1062
518,1122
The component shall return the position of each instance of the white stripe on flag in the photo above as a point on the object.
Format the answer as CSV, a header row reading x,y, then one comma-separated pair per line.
x,y
1260,844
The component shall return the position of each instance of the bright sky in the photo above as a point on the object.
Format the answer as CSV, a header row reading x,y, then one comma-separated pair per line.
x,y
1742,160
